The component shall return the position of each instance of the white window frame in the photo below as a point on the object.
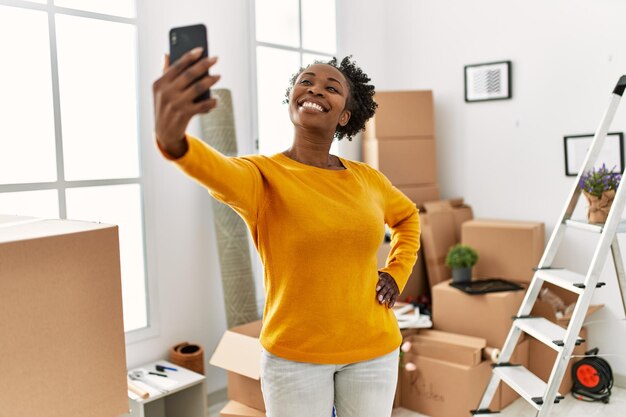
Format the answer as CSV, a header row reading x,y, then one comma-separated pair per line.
x,y
60,185
255,43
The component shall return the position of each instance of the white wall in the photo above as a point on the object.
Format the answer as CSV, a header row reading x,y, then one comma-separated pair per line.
x,y
180,234
506,157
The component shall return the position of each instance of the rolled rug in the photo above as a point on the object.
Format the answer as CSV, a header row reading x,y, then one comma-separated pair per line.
x,y
188,355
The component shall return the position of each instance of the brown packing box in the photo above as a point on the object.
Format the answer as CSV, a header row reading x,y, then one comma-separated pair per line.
x,y
420,194
62,345
239,352
235,409
487,315
542,359
402,113
544,309
441,229
451,347
443,389
404,161
506,249
415,286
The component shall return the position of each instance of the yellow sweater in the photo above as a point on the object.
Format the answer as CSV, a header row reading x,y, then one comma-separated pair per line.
x,y
317,232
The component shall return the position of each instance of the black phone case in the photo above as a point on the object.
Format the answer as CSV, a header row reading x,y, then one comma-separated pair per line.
x,y
184,39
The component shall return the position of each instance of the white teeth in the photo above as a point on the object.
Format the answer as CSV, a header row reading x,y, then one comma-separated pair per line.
x,y
312,106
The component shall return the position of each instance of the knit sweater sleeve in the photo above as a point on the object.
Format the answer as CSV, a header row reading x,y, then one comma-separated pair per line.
x,y
234,181
402,217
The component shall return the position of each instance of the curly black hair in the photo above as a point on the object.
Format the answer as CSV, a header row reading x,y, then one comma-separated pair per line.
x,y
360,101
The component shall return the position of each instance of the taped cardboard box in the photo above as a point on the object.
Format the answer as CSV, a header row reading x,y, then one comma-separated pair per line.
x,y
487,315
63,344
405,161
416,285
506,249
444,389
547,308
542,359
402,113
239,353
235,409
441,223
446,346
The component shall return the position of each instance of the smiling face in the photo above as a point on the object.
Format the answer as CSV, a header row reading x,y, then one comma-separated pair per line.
x,y
318,99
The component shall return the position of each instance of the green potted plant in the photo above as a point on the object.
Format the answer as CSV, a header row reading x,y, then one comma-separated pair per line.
x,y
599,187
461,258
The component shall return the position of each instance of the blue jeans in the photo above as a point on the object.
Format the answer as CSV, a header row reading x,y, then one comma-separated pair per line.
x,y
298,389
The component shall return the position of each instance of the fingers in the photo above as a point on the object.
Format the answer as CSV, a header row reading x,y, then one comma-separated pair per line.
x,y
204,106
192,73
386,290
198,87
183,62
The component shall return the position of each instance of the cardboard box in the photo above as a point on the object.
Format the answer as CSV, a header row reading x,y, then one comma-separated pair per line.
x,y
544,309
62,345
405,161
416,285
542,359
441,229
445,346
487,316
506,249
239,352
235,409
402,113
444,389
420,194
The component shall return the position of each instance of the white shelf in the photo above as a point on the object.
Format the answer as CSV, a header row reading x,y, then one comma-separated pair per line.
x,y
184,396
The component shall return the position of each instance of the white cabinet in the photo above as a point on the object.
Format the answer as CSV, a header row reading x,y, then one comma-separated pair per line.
x,y
181,394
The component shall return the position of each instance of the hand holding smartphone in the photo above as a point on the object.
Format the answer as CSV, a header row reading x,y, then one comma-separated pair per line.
x,y
184,39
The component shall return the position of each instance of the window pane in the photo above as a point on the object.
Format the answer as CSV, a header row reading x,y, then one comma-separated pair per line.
x,y
123,8
277,22
97,78
274,69
43,203
120,205
319,32
27,127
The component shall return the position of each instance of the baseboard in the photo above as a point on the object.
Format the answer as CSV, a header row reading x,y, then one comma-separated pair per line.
x,y
619,380
217,397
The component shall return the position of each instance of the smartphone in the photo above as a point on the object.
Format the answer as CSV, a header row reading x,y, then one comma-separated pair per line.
x,y
184,39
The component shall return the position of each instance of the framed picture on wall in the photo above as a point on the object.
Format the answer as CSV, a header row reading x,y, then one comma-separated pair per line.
x,y
577,146
490,81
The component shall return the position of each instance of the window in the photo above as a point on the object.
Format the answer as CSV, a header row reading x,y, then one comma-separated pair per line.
x,y
70,140
289,34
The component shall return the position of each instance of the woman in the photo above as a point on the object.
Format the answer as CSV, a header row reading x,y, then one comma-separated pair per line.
x,y
329,335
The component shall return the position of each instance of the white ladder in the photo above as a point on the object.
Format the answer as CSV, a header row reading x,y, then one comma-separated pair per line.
x,y
540,395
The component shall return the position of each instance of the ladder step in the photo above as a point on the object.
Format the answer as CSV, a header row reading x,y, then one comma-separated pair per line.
x,y
544,330
563,278
591,227
525,383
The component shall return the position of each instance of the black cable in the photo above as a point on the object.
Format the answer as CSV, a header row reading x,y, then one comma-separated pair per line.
x,y
593,378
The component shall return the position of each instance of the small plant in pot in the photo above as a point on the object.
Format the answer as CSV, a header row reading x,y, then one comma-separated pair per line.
x,y
599,187
461,258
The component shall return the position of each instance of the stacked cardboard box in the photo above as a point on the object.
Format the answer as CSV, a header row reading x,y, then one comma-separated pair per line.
x,y
450,374
441,223
399,141
239,353
62,343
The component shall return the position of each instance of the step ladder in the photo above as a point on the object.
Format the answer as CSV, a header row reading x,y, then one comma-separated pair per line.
x,y
542,396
